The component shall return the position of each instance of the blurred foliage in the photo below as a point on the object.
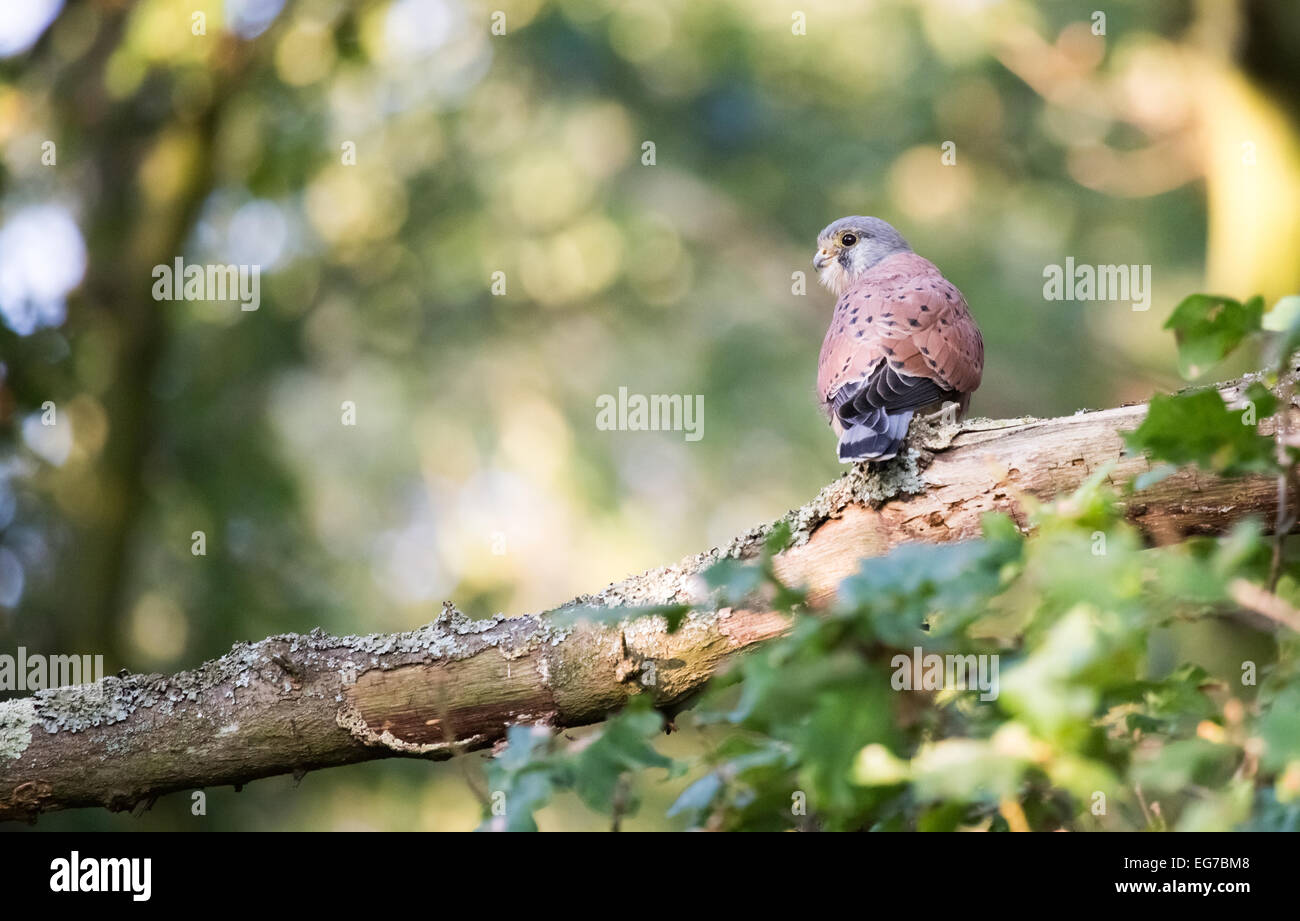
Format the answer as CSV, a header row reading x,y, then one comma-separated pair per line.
x,y
380,160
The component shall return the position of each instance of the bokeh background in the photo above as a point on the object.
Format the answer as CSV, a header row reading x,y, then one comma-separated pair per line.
x,y
476,471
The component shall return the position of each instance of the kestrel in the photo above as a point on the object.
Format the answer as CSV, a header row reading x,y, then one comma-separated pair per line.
x,y
901,341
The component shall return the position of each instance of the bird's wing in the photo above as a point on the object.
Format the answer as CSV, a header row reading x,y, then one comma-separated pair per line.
x,y
888,389
906,318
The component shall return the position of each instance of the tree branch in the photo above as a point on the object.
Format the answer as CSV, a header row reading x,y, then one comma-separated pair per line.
x,y
293,703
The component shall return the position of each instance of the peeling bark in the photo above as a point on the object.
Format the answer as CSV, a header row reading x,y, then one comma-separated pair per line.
x,y
292,703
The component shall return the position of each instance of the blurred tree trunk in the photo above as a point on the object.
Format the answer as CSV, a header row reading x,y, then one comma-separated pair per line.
x,y
134,221
1250,133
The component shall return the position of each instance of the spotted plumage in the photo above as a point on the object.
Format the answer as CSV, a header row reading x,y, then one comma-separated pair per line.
x,y
901,340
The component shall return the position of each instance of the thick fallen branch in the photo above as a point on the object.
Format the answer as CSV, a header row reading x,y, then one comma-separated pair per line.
x,y
294,703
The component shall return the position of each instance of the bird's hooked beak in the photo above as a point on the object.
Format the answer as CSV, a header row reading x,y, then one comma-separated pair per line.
x,y
830,272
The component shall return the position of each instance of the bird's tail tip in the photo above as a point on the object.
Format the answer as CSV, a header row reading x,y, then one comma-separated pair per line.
x,y
848,457
861,443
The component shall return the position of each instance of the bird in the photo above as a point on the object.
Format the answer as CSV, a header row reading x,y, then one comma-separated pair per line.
x,y
901,341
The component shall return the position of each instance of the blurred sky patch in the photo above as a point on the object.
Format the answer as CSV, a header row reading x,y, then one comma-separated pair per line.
x,y
22,22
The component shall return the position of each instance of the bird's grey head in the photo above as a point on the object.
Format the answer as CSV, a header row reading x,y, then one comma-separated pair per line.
x,y
850,246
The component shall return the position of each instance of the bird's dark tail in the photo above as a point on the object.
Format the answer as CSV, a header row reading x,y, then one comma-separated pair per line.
x,y
874,436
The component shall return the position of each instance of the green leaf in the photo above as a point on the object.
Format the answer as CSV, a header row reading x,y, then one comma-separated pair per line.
x,y
733,580
1280,730
1284,315
1284,319
1149,478
778,539
521,779
1185,763
965,769
1208,327
1261,399
524,744
527,793
1271,815
698,797
876,766
622,747
1057,688
1199,428
1221,810
901,589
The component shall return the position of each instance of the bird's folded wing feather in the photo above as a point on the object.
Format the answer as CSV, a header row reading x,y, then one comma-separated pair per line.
x,y
910,317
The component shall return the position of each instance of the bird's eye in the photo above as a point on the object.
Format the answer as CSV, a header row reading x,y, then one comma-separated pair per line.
x,y
848,239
